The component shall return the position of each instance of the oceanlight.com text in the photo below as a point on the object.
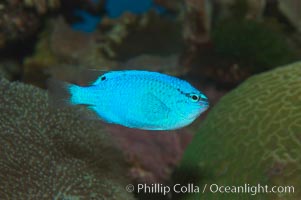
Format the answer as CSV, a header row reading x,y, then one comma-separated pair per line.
x,y
249,189
158,188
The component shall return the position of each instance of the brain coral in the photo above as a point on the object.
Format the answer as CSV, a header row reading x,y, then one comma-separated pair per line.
x,y
52,154
252,136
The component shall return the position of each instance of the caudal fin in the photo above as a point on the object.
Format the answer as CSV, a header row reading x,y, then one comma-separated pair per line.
x,y
62,93
59,93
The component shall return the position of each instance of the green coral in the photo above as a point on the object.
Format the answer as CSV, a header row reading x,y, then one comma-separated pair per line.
x,y
49,153
253,44
252,136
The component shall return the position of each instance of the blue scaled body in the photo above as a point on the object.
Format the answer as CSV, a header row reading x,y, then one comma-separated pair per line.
x,y
141,99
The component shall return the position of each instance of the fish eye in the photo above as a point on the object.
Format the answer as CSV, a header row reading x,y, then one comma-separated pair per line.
x,y
194,98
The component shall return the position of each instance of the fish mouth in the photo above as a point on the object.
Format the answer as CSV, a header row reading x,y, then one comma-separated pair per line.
x,y
204,103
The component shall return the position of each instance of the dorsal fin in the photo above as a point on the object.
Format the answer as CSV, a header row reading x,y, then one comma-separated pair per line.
x,y
92,76
99,80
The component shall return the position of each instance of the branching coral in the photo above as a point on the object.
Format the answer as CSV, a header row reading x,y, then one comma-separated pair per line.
x,y
51,154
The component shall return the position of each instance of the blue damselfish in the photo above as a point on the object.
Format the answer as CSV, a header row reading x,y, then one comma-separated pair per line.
x,y
140,99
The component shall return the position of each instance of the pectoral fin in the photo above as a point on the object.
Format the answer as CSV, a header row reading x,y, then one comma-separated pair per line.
x,y
153,108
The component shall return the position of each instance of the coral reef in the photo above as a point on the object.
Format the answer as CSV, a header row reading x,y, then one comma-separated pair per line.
x,y
252,43
9,70
129,35
50,153
196,29
170,5
164,64
41,6
165,148
197,22
116,8
252,136
248,9
20,19
114,31
56,45
291,9
56,50
109,47
229,40
16,23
